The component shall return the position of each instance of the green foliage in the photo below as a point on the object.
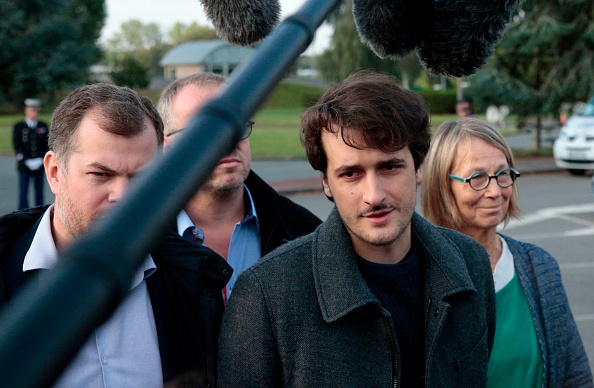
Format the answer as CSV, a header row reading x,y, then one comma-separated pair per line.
x,y
181,33
147,44
144,42
130,72
347,54
47,44
440,101
545,59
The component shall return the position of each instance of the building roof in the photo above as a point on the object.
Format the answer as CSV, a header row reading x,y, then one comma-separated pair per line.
x,y
202,51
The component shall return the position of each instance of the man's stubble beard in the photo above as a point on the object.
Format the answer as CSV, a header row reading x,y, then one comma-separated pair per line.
x,y
401,226
71,216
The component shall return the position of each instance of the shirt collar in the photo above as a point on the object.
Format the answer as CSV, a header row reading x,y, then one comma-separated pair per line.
x,y
184,222
250,210
31,123
504,269
42,253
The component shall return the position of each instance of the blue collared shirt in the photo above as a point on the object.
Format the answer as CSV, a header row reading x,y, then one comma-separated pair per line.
x,y
124,351
244,247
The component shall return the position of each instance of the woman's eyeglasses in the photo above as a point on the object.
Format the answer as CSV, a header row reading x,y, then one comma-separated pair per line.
x,y
480,180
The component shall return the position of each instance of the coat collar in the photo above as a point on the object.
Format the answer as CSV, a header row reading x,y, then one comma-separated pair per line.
x,y
340,287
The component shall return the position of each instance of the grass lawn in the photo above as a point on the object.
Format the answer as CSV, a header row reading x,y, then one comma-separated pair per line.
x,y
275,134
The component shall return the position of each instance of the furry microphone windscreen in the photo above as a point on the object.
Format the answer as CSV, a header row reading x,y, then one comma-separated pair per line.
x,y
391,28
242,22
463,34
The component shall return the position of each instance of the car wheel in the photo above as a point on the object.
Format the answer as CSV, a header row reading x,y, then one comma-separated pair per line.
x,y
574,171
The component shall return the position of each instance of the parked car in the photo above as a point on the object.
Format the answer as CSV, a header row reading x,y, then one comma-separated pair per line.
x,y
574,147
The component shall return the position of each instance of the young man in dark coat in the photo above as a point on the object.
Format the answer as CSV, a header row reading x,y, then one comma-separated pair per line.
x,y
376,296
166,329
235,212
29,139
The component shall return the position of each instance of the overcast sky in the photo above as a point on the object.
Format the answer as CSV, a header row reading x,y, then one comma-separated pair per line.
x,y
166,13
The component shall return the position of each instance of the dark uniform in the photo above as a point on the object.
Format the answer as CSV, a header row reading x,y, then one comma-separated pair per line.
x,y
30,143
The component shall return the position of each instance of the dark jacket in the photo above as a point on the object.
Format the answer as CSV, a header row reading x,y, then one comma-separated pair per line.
x,y
29,143
304,317
185,294
280,219
565,363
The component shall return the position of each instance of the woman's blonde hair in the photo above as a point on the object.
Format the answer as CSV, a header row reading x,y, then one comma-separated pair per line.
x,y
437,199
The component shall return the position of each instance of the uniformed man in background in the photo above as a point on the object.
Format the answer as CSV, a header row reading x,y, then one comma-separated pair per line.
x,y
29,137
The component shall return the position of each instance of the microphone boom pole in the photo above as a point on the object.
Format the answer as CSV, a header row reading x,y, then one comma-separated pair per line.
x,y
46,323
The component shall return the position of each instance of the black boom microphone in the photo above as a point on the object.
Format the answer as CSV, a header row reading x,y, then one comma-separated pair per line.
x,y
391,28
242,22
462,34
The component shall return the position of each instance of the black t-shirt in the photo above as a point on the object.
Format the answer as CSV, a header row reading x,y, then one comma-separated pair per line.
x,y
400,289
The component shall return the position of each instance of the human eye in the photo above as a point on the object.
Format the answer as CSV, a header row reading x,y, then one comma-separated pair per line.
x,y
99,175
504,173
393,168
349,174
478,179
505,177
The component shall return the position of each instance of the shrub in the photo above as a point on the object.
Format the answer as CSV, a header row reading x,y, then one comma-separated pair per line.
x,y
440,101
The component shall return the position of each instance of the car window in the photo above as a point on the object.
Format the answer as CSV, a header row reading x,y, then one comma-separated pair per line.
x,y
588,109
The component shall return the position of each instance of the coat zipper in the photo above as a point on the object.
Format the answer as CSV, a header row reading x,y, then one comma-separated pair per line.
x,y
427,313
429,301
393,351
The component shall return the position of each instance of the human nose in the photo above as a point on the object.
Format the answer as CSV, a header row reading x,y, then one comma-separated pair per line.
x,y
493,189
374,191
118,189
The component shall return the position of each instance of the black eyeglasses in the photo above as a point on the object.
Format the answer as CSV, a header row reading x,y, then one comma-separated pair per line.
x,y
247,132
480,180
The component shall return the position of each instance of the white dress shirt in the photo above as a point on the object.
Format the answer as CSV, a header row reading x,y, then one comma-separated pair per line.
x,y
124,351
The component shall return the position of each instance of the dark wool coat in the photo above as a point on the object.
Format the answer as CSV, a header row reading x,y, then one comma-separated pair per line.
x,y
280,219
304,317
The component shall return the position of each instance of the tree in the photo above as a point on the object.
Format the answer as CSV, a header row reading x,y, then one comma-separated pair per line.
x,y
130,72
545,59
181,33
47,44
347,54
144,42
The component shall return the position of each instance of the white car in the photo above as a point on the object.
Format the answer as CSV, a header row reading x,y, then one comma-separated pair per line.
x,y
574,147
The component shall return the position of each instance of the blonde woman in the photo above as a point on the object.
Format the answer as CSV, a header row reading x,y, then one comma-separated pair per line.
x,y
469,185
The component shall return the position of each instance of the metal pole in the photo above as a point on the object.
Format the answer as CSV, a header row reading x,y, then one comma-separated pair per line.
x,y
47,322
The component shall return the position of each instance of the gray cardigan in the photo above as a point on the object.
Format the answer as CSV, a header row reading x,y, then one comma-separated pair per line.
x,y
303,316
565,360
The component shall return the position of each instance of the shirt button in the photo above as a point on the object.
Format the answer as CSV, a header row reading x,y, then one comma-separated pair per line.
x,y
104,361
225,271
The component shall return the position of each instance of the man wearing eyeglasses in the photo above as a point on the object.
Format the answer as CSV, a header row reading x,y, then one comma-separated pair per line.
x,y
235,213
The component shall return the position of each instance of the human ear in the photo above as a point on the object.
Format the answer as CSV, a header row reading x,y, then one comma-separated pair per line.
x,y
53,171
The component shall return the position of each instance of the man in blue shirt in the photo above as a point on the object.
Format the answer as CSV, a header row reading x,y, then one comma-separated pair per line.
x,y
235,213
